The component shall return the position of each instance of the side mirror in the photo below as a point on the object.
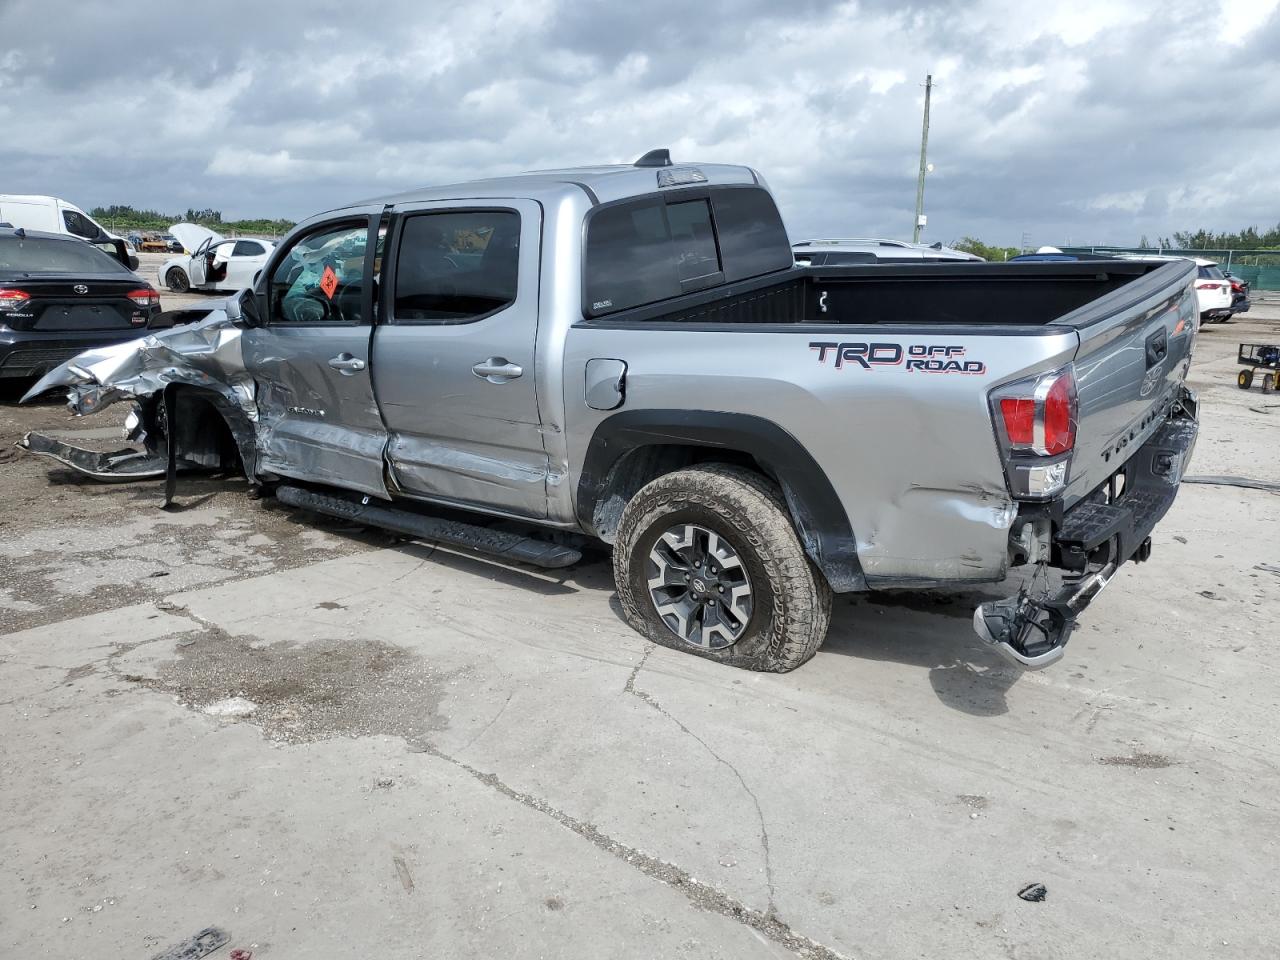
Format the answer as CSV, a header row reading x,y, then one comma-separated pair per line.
x,y
133,262
242,309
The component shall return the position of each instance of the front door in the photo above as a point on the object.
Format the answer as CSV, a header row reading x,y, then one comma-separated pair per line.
x,y
455,355
310,359
198,261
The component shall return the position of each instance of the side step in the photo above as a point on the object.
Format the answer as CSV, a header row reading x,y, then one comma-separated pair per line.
x,y
494,543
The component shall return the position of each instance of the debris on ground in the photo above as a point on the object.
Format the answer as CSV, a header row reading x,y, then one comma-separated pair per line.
x,y
193,948
1034,892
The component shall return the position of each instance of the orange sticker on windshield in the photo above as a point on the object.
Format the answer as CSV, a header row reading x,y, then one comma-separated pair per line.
x,y
328,282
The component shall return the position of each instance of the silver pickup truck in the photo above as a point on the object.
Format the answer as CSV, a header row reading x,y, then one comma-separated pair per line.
x,y
629,355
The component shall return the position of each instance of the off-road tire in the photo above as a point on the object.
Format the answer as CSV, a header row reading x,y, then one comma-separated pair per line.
x,y
1244,379
176,280
791,599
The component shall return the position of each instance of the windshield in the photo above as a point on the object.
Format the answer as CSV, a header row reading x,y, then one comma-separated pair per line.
x,y
34,255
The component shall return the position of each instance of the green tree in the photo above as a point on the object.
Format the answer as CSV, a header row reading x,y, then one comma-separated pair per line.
x,y
979,249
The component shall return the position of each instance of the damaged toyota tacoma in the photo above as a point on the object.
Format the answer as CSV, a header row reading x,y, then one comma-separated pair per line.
x,y
628,355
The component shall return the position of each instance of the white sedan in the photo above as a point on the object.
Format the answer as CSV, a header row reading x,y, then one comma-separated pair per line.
x,y
213,262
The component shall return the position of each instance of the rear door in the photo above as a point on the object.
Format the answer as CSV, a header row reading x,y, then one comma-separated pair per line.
x,y
454,355
310,358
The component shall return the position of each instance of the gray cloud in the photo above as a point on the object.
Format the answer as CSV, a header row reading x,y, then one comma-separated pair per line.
x,y
1096,123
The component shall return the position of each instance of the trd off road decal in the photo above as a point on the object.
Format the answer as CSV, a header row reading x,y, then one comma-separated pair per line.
x,y
922,357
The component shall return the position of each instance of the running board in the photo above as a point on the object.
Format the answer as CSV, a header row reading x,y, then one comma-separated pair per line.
x,y
493,543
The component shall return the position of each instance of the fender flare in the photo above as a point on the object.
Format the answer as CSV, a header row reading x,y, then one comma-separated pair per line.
x,y
819,517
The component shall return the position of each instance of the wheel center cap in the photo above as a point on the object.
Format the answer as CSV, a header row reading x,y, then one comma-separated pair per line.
x,y
699,585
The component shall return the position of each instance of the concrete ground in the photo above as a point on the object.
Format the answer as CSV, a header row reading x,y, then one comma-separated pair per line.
x,y
441,756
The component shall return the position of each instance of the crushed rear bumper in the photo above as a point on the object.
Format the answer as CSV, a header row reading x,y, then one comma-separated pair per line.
x,y
1092,540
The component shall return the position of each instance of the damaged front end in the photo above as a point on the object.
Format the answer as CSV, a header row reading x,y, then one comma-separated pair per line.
x,y
194,402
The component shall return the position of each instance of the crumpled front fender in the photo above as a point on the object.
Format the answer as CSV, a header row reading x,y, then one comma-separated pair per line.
x,y
207,353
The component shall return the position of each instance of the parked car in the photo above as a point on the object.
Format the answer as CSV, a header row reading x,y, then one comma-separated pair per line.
x,y
53,215
1240,302
212,262
60,296
869,250
629,356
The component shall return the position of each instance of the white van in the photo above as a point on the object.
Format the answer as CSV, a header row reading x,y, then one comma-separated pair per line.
x,y
51,215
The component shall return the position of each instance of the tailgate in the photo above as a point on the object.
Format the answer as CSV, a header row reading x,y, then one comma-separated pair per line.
x,y
1135,349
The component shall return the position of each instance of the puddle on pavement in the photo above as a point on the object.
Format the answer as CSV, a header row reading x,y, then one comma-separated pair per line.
x,y
302,693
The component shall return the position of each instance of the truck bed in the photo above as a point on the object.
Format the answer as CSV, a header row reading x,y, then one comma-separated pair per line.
x,y
971,295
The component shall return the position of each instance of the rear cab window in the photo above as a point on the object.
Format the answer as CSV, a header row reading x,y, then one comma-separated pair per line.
x,y
1211,273
35,255
657,247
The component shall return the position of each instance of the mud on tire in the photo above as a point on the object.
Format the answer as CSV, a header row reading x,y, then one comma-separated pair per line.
x,y
790,599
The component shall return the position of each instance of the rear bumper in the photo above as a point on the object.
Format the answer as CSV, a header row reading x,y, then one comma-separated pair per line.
x,y
33,353
1092,540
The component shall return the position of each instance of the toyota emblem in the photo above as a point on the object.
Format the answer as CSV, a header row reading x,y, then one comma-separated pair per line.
x,y
80,288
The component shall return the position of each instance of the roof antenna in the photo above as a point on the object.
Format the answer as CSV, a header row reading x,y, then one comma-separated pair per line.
x,y
655,158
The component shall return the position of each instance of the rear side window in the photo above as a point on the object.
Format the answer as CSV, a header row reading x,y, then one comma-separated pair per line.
x,y
36,256
457,267
651,250
79,224
247,248
752,238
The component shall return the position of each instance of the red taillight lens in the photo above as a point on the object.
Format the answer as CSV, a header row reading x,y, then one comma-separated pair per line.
x,y
145,297
1060,416
1019,420
11,299
1039,415
1208,286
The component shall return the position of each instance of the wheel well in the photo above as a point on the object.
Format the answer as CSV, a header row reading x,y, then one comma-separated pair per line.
x,y
639,466
208,430
631,448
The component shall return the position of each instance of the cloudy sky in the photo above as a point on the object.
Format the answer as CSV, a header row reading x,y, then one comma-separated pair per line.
x,y
1080,122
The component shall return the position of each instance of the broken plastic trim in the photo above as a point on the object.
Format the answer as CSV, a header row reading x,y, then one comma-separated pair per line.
x,y
1032,632
120,466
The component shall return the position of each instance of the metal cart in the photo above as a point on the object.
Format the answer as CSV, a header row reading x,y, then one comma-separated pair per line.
x,y
1256,356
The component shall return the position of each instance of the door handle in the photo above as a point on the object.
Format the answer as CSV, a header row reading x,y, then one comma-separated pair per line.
x,y
346,364
497,370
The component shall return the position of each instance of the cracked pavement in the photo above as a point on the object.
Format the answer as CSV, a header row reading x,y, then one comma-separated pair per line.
x,y
457,758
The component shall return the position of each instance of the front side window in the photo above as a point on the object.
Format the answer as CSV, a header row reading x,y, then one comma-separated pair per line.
x,y
457,267
79,224
321,278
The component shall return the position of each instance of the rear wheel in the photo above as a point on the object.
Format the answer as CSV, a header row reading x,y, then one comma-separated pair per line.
x,y
1269,383
707,562
176,280
1244,379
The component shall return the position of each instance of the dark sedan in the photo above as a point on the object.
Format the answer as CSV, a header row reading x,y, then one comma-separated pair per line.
x,y
60,296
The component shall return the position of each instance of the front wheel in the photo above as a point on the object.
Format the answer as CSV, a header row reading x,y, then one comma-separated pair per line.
x,y
1244,379
176,280
707,562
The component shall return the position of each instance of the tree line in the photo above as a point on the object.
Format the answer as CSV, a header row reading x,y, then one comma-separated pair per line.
x,y
122,218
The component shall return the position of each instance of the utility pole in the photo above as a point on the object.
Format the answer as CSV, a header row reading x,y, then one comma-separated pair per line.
x,y
924,149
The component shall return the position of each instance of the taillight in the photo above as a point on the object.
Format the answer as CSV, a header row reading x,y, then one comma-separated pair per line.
x,y
1036,423
1208,286
145,297
1039,416
11,299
